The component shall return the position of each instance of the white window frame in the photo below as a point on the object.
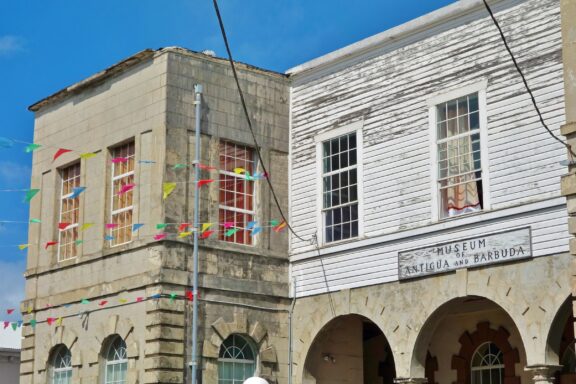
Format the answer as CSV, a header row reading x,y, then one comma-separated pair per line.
x,y
249,344
115,178
319,139
122,360
480,89
56,371
62,198
240,176
486,367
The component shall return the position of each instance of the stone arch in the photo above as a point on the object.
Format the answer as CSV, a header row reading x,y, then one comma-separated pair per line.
x,y
257,332
62,336
558,338
353,343
470,342
460,305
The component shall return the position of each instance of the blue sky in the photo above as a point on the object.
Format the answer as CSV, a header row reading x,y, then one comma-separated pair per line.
x,y
48,45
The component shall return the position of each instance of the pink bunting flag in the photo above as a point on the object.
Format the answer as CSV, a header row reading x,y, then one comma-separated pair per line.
x,y
63,226
111,226
160,236
10,311
228,224
126,188
6,324
49,244
117,160
60,152
50,320
204,182
206,167
139,299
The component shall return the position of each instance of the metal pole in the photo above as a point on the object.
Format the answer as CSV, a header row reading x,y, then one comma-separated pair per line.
x,y
194,362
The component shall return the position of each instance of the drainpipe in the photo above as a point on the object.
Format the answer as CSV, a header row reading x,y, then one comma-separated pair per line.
x,y
194,362
290,334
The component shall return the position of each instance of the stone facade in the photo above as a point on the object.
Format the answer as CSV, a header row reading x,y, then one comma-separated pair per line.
x,y
148,99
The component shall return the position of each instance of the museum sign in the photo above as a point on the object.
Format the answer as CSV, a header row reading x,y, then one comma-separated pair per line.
x,y
489,249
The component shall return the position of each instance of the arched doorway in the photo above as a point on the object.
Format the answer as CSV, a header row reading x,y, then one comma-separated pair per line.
x,y
470,340
349,349
560,344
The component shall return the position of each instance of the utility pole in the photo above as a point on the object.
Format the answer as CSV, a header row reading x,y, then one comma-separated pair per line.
x,y
194,362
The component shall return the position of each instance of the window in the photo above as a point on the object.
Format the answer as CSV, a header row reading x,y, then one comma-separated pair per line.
x,y
340,188
69,213
237,205
122,202
459,156
236,360
116,362
62,366
487,365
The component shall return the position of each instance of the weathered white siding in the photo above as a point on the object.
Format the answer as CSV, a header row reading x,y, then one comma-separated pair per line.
x,y
389,90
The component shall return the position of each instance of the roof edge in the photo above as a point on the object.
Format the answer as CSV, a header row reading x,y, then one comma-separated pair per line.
x,y
393,35
94,79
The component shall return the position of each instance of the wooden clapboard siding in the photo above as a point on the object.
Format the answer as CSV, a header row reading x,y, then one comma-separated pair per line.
x,y
389,90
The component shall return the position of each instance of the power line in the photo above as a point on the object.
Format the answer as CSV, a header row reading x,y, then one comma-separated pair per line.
x,y
245,108
568,146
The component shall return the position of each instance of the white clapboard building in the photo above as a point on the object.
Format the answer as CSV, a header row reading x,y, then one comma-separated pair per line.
x,y
419,164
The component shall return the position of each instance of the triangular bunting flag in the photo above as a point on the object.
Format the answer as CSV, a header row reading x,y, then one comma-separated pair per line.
x,y
31,148
30,194
172,297
88,155
205,226
76,191
50,320
63,226
207,234
9,311
136,227
204,182
181,235
167,189
60,152
85,226
37,221
49,244
160,236
14,326
23,246
189,295
232,231
33,323
161,226
256,231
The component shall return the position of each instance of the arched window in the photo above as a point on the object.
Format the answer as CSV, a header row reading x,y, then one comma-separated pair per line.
x,y
116,362
487,365
236,361
61,366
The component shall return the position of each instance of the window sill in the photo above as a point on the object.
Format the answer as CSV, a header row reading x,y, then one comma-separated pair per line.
x,y
340,242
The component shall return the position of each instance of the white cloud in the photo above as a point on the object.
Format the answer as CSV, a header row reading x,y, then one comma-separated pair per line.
x,y
12,285
11,44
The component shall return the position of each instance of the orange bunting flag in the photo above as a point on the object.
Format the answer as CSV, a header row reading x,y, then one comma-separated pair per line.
x,y
207,234
63,226
49,244
183,227
50,320
280,227
103,303
204,182
9,311
60,152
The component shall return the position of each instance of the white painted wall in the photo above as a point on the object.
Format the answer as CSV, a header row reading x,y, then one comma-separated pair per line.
x,y
389,89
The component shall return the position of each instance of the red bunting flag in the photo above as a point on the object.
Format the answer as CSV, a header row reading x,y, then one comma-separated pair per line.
x,y
207,234
6,324
50,320
60,152
139,299
117,160
50,243
206,167
103,303
204,182
126,188
183,227
189,295
9,311
63,226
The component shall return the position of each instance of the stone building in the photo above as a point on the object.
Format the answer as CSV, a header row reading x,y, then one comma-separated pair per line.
x,y
110,299
10,356
419,164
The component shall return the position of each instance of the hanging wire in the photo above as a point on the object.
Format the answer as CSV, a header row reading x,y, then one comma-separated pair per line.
x,y
568,146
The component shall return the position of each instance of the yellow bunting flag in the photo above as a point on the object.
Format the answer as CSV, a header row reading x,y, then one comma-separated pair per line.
x,y
123,301
29,310
23,246
205,226
184,234
85,226
167,189
239,171
59,321
87,155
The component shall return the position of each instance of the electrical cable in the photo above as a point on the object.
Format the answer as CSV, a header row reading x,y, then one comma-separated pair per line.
x,y
568,146
324,274
245,108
